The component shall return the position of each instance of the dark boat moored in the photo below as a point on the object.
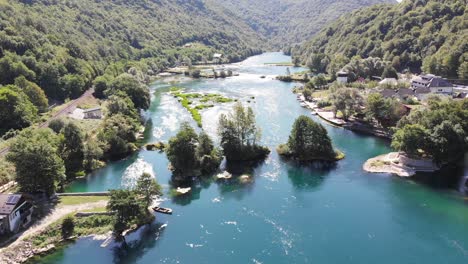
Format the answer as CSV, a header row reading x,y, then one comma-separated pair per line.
x,y
162,210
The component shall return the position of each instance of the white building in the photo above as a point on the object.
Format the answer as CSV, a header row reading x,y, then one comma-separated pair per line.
x,y
436,84
93,113
15,212
342,77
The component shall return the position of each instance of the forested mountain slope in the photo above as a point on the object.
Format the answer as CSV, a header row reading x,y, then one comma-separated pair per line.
x,y
53,43
427,34
285,22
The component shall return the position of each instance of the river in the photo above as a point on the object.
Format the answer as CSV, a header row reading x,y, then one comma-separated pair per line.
x,y
289,213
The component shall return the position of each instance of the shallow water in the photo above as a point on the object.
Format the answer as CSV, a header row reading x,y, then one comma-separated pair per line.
x,y
289,213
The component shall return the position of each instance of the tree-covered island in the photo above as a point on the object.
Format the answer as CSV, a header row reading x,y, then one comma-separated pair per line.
x,y
309,141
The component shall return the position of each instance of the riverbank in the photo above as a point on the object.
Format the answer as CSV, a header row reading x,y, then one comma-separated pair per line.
x,y
399,164
44,236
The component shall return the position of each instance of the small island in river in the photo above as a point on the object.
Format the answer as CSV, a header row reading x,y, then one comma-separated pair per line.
x,y
309,141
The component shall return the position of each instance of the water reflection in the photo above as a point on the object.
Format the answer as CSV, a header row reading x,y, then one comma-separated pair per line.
x,y
138,243
308,176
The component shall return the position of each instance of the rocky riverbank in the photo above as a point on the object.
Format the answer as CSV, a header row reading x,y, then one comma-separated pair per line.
x,y
399,164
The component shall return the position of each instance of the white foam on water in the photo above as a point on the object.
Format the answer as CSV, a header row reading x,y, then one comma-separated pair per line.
x,y
230,223
274,173
191,245
134,171
216,200
256,261
158,133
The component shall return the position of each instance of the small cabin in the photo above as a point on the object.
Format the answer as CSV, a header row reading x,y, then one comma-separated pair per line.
x,y
217,57
342,77
15,212
93,113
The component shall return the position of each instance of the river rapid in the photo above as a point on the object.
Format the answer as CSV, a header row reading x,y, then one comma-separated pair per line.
x,y
289,213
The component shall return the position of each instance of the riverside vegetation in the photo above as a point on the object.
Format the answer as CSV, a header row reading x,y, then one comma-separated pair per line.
x,y
412,35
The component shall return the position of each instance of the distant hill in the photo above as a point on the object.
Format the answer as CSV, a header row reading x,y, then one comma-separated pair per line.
x,y
425,34
46,40
285,22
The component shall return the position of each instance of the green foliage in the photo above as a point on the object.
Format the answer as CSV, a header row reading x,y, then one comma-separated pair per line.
x,y
72,148
181,151
138,93
412,34
412,139
16,111
57,124
387,111
118,133
38,164
348,101
191,154
308,141
68,227
147,187
239,135
34,92
290,21
128,208
438,131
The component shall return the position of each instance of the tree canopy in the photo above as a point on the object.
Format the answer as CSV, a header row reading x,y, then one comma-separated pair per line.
x,y
308,141
38,164
240,135
427,34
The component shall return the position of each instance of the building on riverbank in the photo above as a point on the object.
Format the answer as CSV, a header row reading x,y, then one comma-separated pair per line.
x,y
436,84
15,212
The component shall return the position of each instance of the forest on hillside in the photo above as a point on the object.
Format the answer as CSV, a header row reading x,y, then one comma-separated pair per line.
x,y
59,44
286,22
427,35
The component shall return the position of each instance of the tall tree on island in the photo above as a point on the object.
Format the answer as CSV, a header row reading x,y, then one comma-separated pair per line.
x,y
239,135
148,187
191,154
309,141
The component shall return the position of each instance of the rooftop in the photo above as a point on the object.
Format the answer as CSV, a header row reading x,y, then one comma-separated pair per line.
x,y
92,109
8,202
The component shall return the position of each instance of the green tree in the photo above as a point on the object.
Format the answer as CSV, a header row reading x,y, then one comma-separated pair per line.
x,y
309,141
101,84
120,103
389,72
57,124
239,135
93,152
68,227
118,133
411,139
131,86
38,165
181,151
208,156
71,148
128,210
16,111
147,187
34,92
448,139
73,85
348,101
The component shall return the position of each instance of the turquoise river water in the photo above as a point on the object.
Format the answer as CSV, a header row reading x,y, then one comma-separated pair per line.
x,y
289,213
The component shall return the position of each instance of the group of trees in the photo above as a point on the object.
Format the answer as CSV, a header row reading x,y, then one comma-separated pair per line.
x,y
386,111
46,158
439,131
427,34
309,141
191,154
240,135
130,207
347,101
